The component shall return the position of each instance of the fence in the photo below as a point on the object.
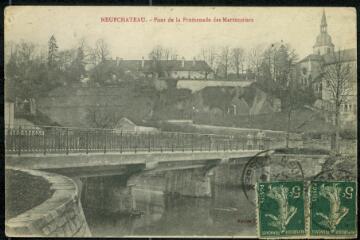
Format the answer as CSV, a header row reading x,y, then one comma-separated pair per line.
x,y
48,140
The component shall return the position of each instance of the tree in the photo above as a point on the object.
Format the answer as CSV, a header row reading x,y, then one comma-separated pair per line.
x,y
25,72
275,69
77,68
278,77
52,52
225,60
238,60
337,77
209,55
101,51
255,57
157,54
102,116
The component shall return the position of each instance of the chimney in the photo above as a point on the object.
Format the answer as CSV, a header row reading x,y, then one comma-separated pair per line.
x,y
183,62
194,61
142,62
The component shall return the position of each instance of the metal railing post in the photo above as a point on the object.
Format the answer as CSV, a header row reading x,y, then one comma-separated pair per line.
x,y
183,143
178,142
44,142
19,141
87,142
161,146
105,136
209,142
67,141
121,143
192,142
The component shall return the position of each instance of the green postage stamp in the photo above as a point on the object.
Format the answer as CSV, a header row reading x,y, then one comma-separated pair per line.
x,y
281,209
325,209
333,208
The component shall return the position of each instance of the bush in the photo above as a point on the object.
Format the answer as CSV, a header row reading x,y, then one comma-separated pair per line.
x,y
349,134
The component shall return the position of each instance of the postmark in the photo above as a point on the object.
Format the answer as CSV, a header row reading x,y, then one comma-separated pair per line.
x,y
262,167
333,208
281,209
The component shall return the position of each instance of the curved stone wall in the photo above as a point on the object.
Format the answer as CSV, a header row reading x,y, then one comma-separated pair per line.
x,y
59,216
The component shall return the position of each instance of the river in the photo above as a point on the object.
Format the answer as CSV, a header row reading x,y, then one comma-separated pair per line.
x,y
226,213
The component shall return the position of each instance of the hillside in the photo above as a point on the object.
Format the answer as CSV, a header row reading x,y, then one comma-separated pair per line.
x,y
146,102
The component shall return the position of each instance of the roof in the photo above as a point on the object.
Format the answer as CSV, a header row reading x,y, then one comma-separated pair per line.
x,y
166,65
323,39
312,57
125,122
346,55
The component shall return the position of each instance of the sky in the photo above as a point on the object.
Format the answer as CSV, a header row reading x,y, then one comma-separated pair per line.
x,y
296,26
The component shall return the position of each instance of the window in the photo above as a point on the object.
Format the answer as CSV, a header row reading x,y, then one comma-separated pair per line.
x,y
328,50
304,71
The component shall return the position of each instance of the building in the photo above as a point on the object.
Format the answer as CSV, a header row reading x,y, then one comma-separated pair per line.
x,y
9,113
312,74
126,125
170,69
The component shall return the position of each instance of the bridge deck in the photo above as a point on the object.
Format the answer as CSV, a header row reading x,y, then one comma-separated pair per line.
x,y
74,160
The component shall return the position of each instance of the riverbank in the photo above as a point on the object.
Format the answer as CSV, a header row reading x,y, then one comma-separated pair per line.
x,y
58,214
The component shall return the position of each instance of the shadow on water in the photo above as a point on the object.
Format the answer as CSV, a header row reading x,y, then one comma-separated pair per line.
x,y
114,209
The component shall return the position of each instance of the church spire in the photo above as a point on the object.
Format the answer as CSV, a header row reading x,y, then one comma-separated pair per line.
x,y
323,24
323,44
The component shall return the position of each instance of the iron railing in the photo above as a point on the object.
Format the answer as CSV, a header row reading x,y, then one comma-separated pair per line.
x,y
47,140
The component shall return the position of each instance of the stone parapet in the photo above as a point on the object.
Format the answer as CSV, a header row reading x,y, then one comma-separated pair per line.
x,y
59,216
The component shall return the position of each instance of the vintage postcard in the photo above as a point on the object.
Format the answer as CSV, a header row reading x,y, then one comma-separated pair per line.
x,y
180,121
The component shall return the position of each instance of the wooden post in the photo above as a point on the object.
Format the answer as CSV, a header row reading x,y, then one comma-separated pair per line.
x,y
149,143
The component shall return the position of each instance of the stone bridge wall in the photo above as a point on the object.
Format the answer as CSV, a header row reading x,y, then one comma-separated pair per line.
x,y
190,182
59,216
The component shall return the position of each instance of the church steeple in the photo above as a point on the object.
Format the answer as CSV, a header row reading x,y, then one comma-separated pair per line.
x,y
323,44
323,24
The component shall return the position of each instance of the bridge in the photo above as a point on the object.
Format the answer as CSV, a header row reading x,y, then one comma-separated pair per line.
x,y
49,142
80,152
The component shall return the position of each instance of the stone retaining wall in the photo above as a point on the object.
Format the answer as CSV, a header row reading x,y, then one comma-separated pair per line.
x,y
190,182
59,216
